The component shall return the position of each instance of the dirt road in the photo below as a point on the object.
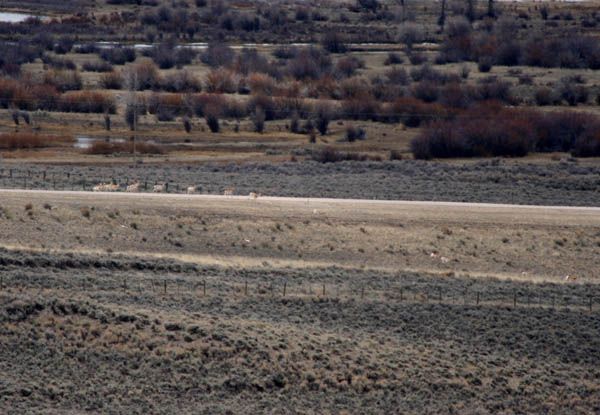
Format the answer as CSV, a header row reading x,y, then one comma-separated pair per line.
x,y
335,208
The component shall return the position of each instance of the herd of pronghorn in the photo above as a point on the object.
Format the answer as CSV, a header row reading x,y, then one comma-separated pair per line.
x,y
159,188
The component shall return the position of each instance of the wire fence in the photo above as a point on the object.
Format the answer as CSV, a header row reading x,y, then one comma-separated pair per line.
x,y
43,180
175,289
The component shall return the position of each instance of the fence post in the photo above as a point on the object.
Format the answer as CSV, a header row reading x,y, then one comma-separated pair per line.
x,y
477,298
514,298
591,303
246,288
204,288
440,294
323,290
284,287
164,286
362,293
401,294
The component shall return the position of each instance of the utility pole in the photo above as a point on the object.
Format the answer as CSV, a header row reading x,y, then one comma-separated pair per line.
x,y
135,117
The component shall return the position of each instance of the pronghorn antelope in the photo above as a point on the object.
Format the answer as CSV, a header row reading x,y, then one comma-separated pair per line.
x,y
159,188
106,187
132,188
191,190
254,195
229,191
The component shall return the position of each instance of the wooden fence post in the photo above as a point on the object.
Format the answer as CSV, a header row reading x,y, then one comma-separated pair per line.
x,y
246,288
164,286
514,298
204,288
477,298
284,287
323,290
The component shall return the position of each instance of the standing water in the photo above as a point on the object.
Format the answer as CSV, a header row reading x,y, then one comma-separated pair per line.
x,y
10,17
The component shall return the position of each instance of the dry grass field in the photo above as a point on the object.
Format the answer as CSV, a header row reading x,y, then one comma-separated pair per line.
x,y
133,303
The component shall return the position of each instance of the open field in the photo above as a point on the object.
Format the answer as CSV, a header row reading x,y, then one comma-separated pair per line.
x,y
156,303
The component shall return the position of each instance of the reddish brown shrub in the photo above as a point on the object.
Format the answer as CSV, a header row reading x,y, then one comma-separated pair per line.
x,y
107,148
173,103
413,112
87,101
587,145
141,76
13,141
63,80
27,96
560,131
361,109
221,81
483,131
489,129
200,102
354,88
111,80
260,83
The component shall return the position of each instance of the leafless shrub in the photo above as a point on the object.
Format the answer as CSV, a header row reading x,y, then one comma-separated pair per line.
x,y
258,119
97,67
217,54
181,81
221,81
63,80
87,102
26,140
354,133
393,58
141,75
107,148
334,42
111,80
